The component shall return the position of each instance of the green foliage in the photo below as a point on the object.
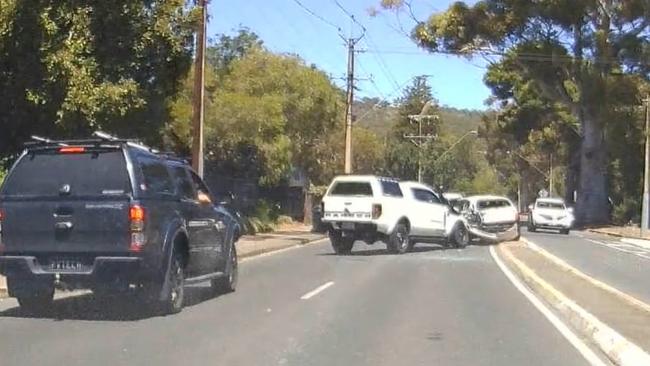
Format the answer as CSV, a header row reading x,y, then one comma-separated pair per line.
x,y
3,174
546,81
274,112
70,67
284,220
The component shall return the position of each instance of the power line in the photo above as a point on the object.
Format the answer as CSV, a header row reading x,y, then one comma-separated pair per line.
x,y
380,61
331,24
524,56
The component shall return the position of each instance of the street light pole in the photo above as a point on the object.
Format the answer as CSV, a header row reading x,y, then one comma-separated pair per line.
x,y
473,132
645,210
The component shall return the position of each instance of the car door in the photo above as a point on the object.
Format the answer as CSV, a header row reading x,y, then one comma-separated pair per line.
x,y
431,213
215,234
198,224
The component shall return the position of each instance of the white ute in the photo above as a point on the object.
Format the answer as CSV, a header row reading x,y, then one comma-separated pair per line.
x,y
371,208
491,218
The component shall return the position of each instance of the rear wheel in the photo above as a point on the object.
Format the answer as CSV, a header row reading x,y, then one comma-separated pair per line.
x,y
227,283
460,236
37,303
531,227
175,296
341,244
398,241
565,231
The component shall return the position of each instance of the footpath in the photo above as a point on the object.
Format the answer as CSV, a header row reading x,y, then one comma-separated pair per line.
x,y
627,234
613,322
252,245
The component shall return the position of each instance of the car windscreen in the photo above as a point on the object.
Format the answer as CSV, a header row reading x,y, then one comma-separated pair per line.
x,y
497,203
551,205
351,189
49,173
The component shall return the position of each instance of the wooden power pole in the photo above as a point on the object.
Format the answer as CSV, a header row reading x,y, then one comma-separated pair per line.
x,y
645,204
199,92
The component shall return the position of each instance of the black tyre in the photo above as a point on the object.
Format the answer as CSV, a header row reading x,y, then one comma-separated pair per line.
x,y
175,296
565,231
228,283
39,302
341,244
460,237
531,227
398,241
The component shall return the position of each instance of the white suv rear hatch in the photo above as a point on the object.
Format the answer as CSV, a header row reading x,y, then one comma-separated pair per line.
x,y
349,200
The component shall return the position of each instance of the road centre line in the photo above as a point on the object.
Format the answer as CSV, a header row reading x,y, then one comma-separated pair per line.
x,y
316,291
568,334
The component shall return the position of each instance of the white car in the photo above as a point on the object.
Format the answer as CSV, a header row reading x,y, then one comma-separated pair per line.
x,y
492,218
550,213
371,208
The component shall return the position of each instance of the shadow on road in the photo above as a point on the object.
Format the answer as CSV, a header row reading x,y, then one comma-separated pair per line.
x,y
115,308
419,248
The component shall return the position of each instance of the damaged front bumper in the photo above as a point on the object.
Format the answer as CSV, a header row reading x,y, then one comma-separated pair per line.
x,y
496,232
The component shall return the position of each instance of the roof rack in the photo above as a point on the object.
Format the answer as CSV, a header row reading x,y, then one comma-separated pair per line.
x,y
104,136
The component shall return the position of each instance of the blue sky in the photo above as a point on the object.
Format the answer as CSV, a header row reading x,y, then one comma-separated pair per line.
x,y
391,58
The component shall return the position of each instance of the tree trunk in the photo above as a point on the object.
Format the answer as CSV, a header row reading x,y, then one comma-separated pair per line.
x,y
571,179
592,207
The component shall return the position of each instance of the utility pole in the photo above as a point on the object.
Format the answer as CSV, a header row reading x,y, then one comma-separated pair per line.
x,y
351,43
550,176
421,139
348,110
199,93
645,210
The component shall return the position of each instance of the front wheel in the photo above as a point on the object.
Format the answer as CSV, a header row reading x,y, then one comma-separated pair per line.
x,y
398,241
460,236
565,231
531,227
341,244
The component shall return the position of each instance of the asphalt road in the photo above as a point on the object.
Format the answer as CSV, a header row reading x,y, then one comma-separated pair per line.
x,y
623,266
429,307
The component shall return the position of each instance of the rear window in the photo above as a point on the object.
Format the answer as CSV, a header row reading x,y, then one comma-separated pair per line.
x,y
391,188
351,189
52,174
493,204
553,205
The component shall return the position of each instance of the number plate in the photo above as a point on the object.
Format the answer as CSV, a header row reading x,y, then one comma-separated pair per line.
x,y
347,226
66,264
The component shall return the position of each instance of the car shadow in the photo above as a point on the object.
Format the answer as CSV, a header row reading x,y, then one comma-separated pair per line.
x,y
126,307
419,248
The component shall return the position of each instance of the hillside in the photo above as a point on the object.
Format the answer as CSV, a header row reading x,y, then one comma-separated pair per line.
x,y
381,118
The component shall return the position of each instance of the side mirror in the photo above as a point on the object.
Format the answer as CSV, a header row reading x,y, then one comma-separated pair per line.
x,y
204,198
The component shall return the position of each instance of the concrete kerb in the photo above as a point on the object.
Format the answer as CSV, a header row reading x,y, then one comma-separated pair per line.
x,y
617,348
622,295
644,243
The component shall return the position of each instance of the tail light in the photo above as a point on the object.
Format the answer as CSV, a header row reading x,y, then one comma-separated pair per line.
x,y
72,150
376,211
137,220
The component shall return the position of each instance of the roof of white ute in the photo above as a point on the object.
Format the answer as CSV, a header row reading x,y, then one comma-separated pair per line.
x,y
486,197
550,200
353,178
414,184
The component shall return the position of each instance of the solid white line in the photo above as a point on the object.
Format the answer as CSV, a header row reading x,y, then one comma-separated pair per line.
x,y
575,341
611,246
316,291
